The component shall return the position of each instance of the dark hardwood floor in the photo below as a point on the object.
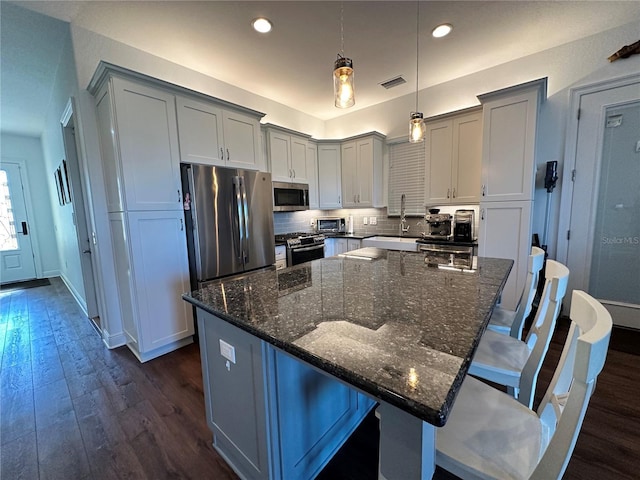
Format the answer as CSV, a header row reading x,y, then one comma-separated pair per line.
x,y
70,408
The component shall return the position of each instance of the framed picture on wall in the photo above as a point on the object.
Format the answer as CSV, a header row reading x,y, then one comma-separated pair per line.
x,y
56,180
65,178
61,186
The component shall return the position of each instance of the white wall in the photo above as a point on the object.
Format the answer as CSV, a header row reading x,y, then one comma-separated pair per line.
x,y
91,48
27,151
64,87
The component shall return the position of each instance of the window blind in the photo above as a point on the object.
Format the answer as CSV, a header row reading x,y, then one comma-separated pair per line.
x,y
406,175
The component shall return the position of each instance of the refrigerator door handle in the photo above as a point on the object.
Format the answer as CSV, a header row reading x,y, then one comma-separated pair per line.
x,y
239,239
245,208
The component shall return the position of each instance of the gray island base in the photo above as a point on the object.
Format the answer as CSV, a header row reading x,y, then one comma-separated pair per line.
x,y
294,359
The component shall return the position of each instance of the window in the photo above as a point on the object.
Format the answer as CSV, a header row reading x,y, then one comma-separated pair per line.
x,y
407,175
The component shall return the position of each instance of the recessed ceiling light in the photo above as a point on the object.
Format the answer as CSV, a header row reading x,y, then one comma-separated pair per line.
x,y
442,30
261,25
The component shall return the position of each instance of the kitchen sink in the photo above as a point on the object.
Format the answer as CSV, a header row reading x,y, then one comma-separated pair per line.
x,y
392,243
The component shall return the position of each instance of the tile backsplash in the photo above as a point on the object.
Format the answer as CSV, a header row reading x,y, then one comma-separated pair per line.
x,y
285,222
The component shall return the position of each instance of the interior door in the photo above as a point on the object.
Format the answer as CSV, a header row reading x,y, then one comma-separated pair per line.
x,y
16,252
603,252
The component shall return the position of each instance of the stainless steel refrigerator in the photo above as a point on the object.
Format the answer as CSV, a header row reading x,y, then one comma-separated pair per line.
x,y
229,217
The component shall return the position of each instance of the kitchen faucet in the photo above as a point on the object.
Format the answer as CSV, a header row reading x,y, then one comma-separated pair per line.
x,y
404,228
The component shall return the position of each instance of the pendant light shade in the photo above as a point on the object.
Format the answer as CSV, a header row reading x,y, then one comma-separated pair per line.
x,y
416,128
416,121
343,86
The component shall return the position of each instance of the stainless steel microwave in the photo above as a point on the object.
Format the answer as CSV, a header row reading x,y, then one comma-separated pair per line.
x,y
290,197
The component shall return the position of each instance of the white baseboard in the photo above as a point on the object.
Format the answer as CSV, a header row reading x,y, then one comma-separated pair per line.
x,y
115,340
79,300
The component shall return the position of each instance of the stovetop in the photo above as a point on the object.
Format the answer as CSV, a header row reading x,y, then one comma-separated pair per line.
x,y
295,239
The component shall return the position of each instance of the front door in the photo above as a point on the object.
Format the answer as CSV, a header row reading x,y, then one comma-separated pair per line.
x,y
16,253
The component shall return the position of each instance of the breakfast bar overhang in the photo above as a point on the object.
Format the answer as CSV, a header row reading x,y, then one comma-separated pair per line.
x,y
293,359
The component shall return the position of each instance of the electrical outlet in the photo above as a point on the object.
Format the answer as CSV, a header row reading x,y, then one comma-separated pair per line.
x,y
373,220
365,220
227,351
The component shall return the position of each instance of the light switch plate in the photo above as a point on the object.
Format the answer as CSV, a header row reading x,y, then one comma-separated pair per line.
x,y
228,351
373,220
365,220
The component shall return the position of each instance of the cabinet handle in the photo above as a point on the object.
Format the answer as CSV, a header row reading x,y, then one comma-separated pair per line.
x,y
483,190
454,193
221,154
339,202
294,173
179,197
181,225
358,198
448,192
228,156
482,214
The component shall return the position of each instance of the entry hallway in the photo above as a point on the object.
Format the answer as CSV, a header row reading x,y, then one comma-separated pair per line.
x,y
72,409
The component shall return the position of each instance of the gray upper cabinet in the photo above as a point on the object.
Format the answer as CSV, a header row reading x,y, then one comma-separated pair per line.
x,y
287,156
212,135
453,159
139,143
508,144
329,175
362,171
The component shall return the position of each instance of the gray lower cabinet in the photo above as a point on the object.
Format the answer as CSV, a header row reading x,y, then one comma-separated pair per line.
x,y
272,416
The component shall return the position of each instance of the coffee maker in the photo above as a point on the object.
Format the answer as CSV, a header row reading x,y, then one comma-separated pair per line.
x,y
464,226
437,225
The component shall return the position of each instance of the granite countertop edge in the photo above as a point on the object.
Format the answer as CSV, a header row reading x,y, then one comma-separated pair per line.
x,y
436,418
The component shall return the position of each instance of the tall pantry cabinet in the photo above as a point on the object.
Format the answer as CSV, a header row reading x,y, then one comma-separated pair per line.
x,y
141,162
508,179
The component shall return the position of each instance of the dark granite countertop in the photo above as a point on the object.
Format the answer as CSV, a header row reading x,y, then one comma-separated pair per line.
x,y
357,236
383,321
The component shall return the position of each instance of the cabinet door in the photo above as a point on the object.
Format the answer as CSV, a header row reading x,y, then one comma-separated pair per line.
x,y
364,173
242,141
312,175
439,154
280,156
349,174
508,147
148,139
341,246
505,232
467,158
299,160
329,176
353,244
234,394
200,132
160,272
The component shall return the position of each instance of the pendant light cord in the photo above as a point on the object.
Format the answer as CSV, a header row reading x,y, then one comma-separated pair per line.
x,y
417,49
342,29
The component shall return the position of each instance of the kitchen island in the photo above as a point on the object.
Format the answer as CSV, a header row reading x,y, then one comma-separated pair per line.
x,y
294,359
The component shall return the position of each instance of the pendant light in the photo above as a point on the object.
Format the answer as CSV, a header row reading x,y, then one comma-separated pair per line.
x,y
343,86
416,120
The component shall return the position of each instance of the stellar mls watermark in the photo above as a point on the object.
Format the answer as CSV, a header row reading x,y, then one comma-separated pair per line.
x,y
621,240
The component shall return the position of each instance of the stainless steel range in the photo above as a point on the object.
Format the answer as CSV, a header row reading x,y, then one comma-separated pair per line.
x,y
302,247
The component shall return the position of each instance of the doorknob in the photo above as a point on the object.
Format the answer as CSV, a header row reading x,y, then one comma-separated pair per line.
x,y
25,231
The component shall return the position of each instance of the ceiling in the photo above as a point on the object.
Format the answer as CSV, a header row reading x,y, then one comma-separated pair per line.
x,y
293,63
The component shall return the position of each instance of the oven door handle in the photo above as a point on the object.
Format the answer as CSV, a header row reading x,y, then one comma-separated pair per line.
x,y
308,249
445,250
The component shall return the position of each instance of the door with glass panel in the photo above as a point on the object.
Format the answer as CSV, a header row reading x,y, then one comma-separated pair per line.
x,y
604,246
16,253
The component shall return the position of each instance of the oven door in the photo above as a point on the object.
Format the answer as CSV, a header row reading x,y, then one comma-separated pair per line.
x,y
306,253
